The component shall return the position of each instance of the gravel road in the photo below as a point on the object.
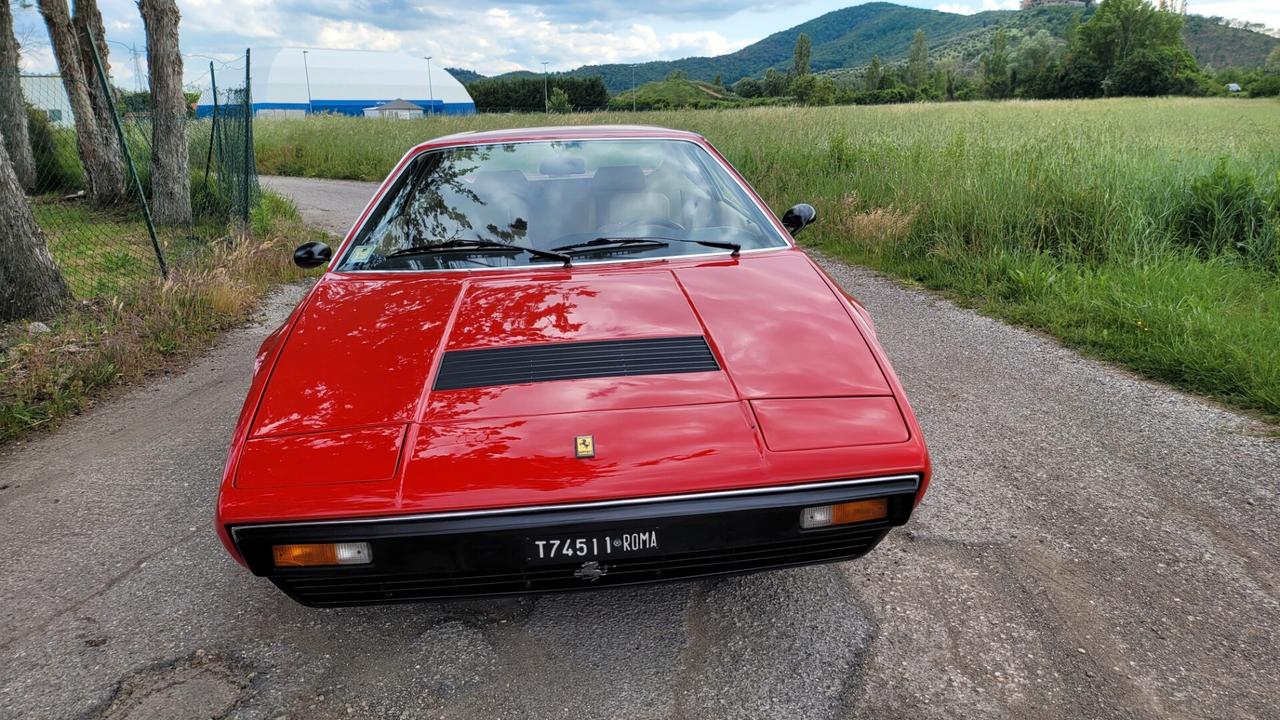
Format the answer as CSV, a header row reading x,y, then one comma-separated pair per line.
x,y
1094,546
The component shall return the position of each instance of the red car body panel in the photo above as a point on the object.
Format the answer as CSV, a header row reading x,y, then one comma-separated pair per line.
x,y
341,420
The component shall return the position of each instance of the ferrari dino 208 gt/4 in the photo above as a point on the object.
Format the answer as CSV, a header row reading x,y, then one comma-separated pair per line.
x,y
562,358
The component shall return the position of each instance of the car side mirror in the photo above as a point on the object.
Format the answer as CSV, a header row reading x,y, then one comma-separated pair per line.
x,y
798,217
312,254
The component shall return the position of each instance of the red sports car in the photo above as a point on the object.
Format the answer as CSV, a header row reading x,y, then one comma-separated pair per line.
x,y
562,358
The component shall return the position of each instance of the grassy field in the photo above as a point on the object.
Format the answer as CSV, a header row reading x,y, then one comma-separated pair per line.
x,y
1141,231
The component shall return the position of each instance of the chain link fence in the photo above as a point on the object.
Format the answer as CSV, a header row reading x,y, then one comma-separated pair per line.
x,y
222,144
106,248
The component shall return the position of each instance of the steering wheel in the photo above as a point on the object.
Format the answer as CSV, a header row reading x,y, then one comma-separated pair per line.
x,y
627,224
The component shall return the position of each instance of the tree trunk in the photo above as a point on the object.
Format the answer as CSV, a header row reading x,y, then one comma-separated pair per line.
x,y
170,183
105,183
30,283
87,20
13,111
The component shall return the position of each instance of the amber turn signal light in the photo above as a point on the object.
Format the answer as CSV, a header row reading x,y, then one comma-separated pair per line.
x,y
844,513
317,554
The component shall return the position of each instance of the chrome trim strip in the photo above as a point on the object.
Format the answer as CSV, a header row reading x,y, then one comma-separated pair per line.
x,y
586,505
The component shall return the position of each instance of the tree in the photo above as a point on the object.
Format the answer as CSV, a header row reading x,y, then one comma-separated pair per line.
x,y
800,63
1122,27
995,67
814,89
1079,76
102,172
918,60
1273,61
875,71
1153,71
170,181
1034,64
524,94
91,35
748,88
558,102
30,283
775,83
13,111
1071,32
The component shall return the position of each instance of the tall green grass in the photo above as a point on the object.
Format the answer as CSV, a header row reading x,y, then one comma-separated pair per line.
x,y
1144,231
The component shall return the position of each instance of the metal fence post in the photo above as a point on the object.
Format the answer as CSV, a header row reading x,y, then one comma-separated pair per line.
x,y
213,127
248,139
128,157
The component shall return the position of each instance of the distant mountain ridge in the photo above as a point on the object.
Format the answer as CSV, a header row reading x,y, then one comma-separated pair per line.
x,y
850,37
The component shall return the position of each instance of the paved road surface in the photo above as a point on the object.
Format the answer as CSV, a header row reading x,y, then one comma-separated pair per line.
x,y
1094,546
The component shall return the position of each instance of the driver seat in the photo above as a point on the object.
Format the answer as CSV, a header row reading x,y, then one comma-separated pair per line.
x,y
621,196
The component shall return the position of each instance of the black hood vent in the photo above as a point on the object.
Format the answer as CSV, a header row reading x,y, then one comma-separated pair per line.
x,y
573,361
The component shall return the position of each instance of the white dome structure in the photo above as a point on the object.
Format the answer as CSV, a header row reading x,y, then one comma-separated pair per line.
x,y
299,81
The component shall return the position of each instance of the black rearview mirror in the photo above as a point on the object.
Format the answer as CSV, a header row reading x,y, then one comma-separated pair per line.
x,y
312,254
798,217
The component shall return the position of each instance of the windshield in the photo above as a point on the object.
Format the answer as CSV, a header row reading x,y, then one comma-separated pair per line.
x,y
593,200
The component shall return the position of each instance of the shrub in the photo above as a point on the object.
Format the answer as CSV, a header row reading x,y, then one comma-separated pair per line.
x,y
1079,76
1153,71
558,101
57,163
814,89
748,88
886,96
1265,86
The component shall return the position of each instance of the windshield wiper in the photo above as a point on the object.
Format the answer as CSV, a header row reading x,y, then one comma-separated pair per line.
x,y
602,245
452,246
732,247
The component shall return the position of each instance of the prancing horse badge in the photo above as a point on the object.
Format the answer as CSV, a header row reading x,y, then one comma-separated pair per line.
x,y
585,446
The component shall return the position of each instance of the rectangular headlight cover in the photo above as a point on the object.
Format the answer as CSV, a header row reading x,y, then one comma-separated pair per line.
x,y
321,554
844,513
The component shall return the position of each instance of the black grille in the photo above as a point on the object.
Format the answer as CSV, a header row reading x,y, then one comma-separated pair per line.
x,y
576,360
814,547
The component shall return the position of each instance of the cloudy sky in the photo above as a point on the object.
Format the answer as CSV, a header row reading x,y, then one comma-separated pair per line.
x,y
492,36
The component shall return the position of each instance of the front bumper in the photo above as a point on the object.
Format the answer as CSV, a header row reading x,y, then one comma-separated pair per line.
x,y
483,553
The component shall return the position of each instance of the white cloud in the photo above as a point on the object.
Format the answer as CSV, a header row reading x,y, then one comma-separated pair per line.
x,y
503,39
37,58
349,35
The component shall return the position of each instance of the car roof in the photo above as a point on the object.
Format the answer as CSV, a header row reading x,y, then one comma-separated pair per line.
x,y
565,132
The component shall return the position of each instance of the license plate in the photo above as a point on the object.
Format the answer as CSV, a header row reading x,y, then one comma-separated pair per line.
x,y
577,548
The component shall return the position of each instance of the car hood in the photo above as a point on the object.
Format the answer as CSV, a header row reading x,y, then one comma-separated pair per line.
x,y
366,351
365,411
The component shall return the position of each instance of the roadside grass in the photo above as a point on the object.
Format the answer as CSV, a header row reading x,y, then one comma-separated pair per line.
x,y
1143,231
139,327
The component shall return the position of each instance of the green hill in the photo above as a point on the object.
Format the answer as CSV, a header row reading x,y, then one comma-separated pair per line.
x,y
664,94
848,38
1218,46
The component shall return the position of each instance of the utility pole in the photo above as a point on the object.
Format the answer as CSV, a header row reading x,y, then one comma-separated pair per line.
x,y
546,102
633,87
137,68
431,90
307,71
